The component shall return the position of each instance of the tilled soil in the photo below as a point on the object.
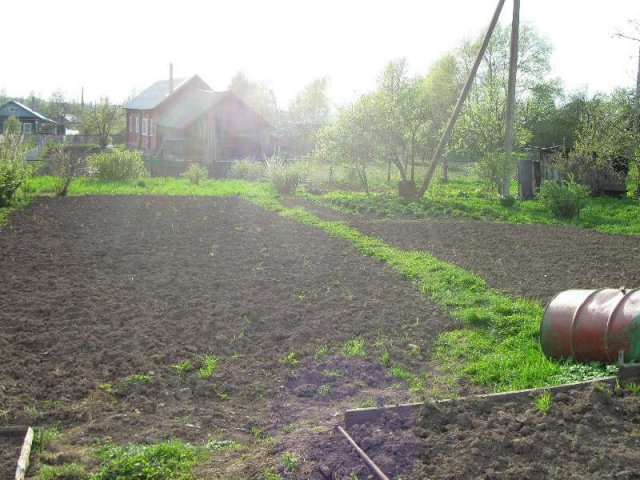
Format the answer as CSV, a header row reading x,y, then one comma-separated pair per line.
x,y
9,454
589,432
534,261
97,289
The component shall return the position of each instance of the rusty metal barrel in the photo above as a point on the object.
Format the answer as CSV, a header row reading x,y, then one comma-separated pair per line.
x,y
589,325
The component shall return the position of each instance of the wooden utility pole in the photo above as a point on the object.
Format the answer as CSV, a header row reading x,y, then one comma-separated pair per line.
x,y
634,147
461,99
511,94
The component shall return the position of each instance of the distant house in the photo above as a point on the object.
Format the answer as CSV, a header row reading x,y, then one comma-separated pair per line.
x,y
186,120
31,121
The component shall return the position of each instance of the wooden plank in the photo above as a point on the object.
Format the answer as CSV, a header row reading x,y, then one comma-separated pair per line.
x,y
25,453
366,415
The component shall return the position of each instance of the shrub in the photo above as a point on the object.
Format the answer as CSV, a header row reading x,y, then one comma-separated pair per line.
x,y
13,174
14,171
117,165
195,173
78,149
284,177
66,164
492,170
564,199
248,170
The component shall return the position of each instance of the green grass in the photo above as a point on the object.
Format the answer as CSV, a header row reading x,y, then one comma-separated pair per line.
x,y
183,367
208,366
290,462
68,471
169,460
354,348
153,186
461,197
542,402
137,378
290,358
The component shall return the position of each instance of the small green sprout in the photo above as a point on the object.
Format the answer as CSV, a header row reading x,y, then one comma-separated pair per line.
x,y
208,366
542,402
183,367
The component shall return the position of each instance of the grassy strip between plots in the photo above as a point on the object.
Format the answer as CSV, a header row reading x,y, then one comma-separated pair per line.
x,y
499,346
462,198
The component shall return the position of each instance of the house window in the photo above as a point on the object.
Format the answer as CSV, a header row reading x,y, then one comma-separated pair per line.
x,y
131,123
137,125
151,127
27,128
145,126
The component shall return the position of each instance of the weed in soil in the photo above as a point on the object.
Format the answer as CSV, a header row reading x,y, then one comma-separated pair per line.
x,y
137,378
183,367
634,388
290,462
171,459
321,351
290,358
354,348
68,471
208,366
543,402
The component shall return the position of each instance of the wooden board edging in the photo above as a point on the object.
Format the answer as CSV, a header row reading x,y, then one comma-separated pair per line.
x,y
25,454
364,415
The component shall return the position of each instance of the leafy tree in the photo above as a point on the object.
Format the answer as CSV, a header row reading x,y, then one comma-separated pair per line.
x,y
255,94
308,113
351,139
604,130
481,127
14,171
103,120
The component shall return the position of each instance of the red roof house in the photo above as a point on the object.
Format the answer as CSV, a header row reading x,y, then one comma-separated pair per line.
x,y
185,119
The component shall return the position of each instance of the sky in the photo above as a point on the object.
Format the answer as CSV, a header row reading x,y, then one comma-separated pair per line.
x,y
118,47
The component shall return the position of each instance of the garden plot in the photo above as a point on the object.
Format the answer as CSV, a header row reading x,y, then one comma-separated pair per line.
x,y
211,320
588,431
534,261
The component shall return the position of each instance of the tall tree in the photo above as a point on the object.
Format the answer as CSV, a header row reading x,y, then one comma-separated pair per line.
x,y
308,113
481,127
103,120
255,94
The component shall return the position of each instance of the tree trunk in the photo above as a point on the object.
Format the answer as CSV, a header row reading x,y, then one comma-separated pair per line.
x,y
445,170
636,127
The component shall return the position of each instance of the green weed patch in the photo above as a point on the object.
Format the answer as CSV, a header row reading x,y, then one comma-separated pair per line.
x,y
170,460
